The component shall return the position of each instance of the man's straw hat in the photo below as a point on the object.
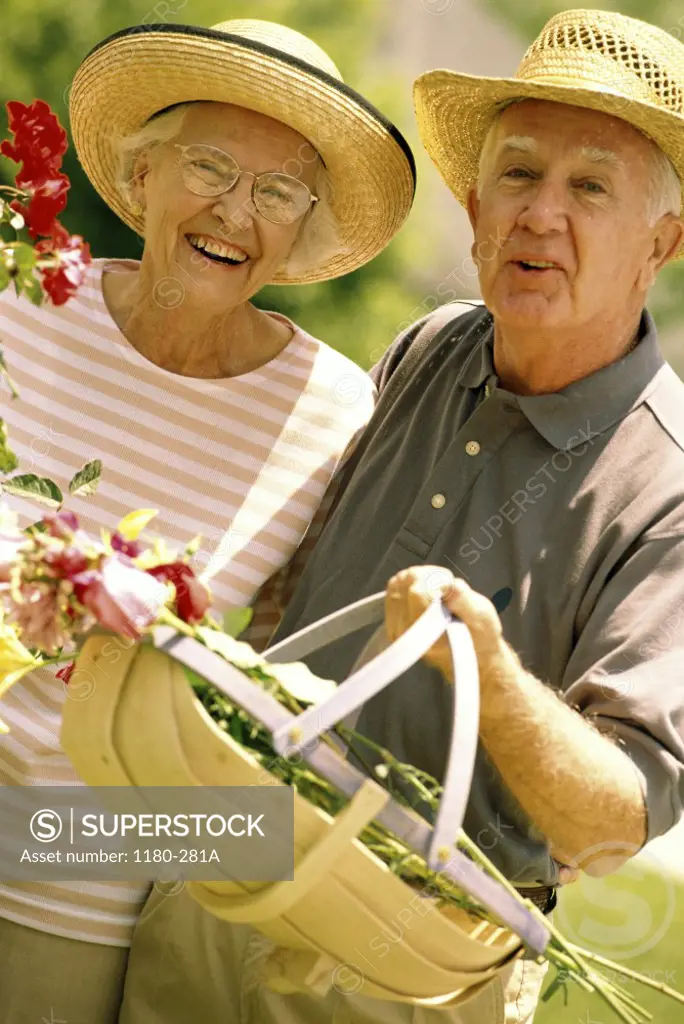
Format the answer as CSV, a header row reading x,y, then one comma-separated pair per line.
x,y
595,59
274,70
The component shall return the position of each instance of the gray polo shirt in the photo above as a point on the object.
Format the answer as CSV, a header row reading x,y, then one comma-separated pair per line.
x,y
568,509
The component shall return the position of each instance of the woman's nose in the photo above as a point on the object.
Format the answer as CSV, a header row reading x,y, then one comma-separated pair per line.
x,y
236,206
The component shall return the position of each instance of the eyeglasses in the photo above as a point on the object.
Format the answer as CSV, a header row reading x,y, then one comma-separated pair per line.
x,y
279,198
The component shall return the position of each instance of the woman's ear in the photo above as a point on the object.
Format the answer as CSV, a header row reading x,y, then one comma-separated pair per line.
x,y
141,169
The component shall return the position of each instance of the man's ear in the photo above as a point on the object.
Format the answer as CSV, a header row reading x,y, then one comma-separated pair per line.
x,y
473,208
668,237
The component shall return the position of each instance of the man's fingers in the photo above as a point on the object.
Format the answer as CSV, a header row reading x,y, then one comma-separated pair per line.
x,y
474,609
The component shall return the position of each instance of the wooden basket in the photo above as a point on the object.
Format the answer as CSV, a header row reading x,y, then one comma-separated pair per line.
x,y
143,726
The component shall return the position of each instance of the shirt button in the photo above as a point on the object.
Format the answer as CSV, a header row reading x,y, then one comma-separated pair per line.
x,y
438,501
472,448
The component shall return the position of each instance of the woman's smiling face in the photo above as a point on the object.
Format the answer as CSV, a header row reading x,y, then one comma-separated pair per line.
x,y
178,222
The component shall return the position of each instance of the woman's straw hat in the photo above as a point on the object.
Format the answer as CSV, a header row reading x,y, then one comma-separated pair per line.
x,y
274,70
595,59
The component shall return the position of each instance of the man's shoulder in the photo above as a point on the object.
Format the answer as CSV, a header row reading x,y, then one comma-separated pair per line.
x,y
666,402
454,322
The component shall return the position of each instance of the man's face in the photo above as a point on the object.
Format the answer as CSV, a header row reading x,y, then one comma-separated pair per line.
x,y
568,187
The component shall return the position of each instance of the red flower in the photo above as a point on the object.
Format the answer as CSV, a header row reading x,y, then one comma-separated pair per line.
x,y
65,673
39,145
40,142
47,201
132,548
62,281
121,597
192,597
67,563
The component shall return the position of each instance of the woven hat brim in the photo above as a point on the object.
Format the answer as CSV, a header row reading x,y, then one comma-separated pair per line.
x,y
134,74
455,111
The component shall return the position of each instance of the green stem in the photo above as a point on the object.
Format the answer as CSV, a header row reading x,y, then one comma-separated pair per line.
x,y
634,975
58,659
167,618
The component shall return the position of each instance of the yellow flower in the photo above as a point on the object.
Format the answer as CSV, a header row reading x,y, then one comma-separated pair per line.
x,y
132,525
15,661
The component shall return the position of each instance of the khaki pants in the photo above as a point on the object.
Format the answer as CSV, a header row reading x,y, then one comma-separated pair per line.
x,y
47,979
185,966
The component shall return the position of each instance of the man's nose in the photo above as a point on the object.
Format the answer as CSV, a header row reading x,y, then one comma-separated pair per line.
x,y
546,209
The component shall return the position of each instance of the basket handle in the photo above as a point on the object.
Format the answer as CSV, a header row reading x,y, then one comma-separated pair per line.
x,y
378,673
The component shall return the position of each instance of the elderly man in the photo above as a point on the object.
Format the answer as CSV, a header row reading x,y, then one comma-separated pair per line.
x,y
525,460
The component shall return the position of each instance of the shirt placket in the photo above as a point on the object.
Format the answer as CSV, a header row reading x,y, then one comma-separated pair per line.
x,y
476,445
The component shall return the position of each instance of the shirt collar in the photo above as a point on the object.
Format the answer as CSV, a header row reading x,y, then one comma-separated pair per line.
x,y
593,404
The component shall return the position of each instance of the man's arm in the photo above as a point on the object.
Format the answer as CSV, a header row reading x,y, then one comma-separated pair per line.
x,y
578,787
598,768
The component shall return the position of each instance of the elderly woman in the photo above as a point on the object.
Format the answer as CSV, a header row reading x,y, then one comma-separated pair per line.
x,y
241,158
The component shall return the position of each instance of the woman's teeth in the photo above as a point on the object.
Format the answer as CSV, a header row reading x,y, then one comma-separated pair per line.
x,y
218,251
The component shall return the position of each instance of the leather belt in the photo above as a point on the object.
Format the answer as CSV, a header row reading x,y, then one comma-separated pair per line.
x,y
543,896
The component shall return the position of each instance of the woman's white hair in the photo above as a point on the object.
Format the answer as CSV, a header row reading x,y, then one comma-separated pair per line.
x,y
318,238
665,193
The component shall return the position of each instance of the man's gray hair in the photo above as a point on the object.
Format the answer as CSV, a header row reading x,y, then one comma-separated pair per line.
x,y
318,238
665,194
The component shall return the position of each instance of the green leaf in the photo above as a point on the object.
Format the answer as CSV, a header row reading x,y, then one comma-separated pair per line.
x,y
37,527
4,277
39,488
24,256
31,288
236,620
195,680
8,460
192,547
560,982
5,373
86,480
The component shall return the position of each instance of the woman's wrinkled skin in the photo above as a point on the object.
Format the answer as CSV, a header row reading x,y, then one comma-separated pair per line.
x,y
181,310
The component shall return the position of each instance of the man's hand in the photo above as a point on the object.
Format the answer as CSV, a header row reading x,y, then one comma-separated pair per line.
x,y
412,591
578,787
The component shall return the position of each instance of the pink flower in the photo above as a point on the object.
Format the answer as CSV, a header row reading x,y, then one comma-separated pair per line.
x,y
121,597
39,618
192,597
61,524
73,254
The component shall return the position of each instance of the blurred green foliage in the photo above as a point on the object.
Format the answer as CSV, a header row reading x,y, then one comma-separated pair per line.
x,y
41,45
529,18
636,917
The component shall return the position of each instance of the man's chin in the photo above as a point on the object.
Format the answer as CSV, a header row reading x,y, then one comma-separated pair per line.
x,y
528,310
